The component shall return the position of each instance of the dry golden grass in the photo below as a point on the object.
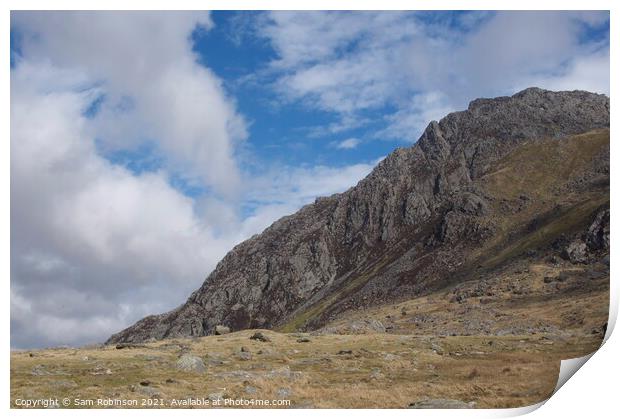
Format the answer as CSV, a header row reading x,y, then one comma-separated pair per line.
x,y
389,370
382,371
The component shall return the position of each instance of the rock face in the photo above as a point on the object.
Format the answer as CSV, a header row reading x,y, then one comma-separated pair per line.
x,y
597,238
594,242
410,226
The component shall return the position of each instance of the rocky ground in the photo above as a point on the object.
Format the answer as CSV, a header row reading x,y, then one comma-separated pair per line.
x,y
531,296
329,371
498,344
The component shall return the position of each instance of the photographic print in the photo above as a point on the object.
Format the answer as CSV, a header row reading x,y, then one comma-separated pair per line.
x,y
306,209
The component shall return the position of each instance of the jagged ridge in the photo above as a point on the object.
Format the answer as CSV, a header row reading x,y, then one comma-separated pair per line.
x,y
410,226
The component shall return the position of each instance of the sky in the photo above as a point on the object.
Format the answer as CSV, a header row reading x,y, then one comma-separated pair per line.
x,y
145,145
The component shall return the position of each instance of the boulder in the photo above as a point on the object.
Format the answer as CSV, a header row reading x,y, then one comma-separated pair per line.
x,y
576,252
244,356
260,337
221,330
191,363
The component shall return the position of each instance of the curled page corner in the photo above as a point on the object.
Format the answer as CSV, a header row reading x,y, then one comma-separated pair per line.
x,y
568,368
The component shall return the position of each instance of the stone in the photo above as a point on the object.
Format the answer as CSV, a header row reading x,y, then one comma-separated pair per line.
x,y
221,330
442,404
284,392
575,252
215,361
366,326
284,372
376,374
435,347
40,370
63,384
101,370
244,356
191,363
149,391
260,337
217,396
129,346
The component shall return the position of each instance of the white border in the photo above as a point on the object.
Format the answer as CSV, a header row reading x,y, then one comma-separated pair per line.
x,y
591,393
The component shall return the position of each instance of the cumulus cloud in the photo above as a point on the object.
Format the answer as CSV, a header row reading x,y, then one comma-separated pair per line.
x,y
423,65
94,245
85,232
348,144
153,86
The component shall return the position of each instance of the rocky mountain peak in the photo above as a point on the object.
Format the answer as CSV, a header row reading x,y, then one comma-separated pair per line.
x,y
402,230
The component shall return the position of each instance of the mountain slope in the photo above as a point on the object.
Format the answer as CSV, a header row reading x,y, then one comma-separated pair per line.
x,y
481,187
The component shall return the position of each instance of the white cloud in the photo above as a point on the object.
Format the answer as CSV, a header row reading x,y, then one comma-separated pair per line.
x,y
586,73
145,59
84,227
354,64
348,144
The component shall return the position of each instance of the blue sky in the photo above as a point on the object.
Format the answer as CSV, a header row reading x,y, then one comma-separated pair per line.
x,y
277,131
145,145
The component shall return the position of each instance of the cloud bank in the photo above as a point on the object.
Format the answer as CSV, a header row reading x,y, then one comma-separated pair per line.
x,y
415,67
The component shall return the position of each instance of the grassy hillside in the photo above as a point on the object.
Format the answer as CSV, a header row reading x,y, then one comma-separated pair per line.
x,y
535,201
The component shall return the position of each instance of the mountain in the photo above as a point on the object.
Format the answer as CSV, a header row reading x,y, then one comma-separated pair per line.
x,y
525,176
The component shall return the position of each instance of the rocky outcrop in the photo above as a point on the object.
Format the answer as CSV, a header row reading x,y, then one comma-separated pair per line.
x,y
594,241
576,251
597,237
404,229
